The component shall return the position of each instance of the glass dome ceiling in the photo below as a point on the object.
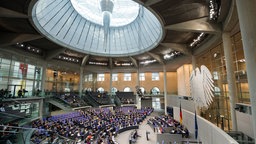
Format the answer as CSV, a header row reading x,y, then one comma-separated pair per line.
x,y
83,25
124,11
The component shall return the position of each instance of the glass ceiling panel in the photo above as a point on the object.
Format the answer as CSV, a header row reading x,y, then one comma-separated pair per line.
x,y
135,30
124,11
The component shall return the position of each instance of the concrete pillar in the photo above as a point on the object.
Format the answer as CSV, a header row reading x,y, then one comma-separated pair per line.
x,y
81,80
44,68
110,82
227,44
95,82
138,99
41,108
193,62
34,88
165,90
138,77
246,14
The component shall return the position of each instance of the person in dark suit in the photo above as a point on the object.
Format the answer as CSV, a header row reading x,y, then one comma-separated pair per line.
x,y
147,135
20,93
2,93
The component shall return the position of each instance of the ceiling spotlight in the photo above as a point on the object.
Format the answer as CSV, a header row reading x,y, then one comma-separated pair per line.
x,y
197,40
167,56
215,55
147,61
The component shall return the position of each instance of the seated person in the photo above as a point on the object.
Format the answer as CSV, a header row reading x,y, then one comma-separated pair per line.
x,y
185,133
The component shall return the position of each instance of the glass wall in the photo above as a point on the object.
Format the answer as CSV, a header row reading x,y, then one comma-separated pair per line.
x,y
214,60
61,81
16,75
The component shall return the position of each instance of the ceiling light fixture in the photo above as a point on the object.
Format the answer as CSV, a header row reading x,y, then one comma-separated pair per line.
x,y
197,40
147,61
214,9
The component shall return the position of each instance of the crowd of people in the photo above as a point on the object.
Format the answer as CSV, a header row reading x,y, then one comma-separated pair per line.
x,y
126,97
4,94
167,124
71,99
100,98
89,125
8,132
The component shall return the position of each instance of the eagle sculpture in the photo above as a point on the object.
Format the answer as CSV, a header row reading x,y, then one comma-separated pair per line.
x,y
202,87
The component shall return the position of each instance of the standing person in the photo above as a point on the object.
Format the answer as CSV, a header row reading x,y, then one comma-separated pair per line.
x,y
20,93
147,135
6,93
24,91
37,92
2,93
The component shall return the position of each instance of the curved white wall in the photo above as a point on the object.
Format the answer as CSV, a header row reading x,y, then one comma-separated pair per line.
x,y
244,123
208,133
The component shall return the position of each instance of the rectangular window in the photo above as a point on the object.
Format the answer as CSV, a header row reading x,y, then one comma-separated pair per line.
x,y
30,71
38,75
88,77
215,75
142,76
114,77
156,103
100,77
127,76
4,67
155,76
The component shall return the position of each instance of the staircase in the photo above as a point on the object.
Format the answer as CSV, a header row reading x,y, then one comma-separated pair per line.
x,y
59,103
117,101
9,117
90,101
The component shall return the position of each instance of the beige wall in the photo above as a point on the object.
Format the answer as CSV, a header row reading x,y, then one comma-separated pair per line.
x,y
172,87
148,84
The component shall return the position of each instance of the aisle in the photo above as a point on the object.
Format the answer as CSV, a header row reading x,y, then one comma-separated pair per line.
x,y
123,138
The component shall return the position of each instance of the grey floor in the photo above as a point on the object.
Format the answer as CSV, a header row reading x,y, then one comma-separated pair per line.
x,y
123,138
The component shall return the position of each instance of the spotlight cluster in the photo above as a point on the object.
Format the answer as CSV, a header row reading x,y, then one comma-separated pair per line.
x,y
97,63
69,59
198,40
172,55
147,62
214,7
123,64
29,48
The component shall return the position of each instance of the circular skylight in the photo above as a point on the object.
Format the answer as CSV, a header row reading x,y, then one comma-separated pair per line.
x,y
127,29
124,11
